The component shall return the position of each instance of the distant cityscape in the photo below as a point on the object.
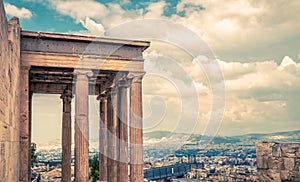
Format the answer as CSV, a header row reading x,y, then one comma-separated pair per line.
x,y
223,159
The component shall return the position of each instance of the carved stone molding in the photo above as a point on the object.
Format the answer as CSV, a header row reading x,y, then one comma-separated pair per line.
x,y
83,74
136,76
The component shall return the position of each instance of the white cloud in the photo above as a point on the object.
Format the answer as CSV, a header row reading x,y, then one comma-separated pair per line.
x,y
93,14
235,25
155,10
257,93
262,91
80,10
12,10
261,75
287,61
117,15
93,27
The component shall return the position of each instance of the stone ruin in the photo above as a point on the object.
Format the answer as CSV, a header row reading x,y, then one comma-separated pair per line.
x,y
278,161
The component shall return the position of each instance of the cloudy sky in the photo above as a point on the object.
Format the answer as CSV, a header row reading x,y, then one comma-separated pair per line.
x,y
256,43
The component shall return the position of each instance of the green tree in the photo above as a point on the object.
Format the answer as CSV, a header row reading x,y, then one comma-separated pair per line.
x,y
32,153
94,171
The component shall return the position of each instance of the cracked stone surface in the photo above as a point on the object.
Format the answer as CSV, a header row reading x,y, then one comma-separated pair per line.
x,y
278,161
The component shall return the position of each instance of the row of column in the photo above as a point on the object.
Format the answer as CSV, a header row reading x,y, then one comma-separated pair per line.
x,y
119,116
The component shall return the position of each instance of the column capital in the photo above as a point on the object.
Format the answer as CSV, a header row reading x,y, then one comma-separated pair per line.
x,y
111,91
86,72
67,94
102,97
66,97
123,83
108,91
136,76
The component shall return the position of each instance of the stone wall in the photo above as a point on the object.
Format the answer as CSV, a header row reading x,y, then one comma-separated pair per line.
x,y
9,96
278,161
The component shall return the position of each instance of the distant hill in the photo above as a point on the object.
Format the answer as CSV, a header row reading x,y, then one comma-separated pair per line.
x,y
288,136
158,134
169,139
284,133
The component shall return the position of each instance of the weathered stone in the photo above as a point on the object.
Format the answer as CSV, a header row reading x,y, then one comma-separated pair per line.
x,y
123,124
289,163
278,164
285,175
136,129
263,149
9,82
289,150
298,152
2,151
274,175
282,164
103,141
276,151
81,127
262,162
113,143
268,176
66,135
297,164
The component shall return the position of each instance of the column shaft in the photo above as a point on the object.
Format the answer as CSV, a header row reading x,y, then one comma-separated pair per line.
x,y
81,129
66,136
103,138
25,126
113,155
136,131
123,124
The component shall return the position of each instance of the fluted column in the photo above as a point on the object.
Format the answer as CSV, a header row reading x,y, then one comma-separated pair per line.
x,y
123,124
103,138
81,126
113,134
66,135
136,129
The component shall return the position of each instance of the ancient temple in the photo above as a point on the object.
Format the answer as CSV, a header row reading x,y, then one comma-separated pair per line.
x,y
74,67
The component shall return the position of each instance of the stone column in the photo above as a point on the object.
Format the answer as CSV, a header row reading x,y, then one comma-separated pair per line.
x,y
81,126
136,129
66,97
113,134
25,126
123,124
103,138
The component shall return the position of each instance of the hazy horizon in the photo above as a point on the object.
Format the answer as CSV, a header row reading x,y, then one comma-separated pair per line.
x,y
96,139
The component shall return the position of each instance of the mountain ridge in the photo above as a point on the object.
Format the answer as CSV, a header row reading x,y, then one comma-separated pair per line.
x,y
164,133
